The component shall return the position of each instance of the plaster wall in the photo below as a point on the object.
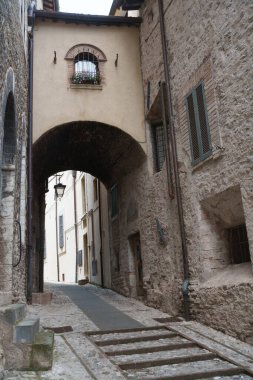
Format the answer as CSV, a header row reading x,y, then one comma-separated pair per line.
x,y
119,102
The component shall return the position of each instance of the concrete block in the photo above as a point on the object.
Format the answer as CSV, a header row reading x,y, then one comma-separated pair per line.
x,y
42,351
42,298
12,314
25,331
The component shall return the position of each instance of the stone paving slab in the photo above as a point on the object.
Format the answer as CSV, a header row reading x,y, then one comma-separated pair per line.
x,y
226,340
96,361
66,366
171,354
129,334
77,357
182,370
149,344
217,347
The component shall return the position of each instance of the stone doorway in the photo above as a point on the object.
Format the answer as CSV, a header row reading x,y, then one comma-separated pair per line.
x,y
135,245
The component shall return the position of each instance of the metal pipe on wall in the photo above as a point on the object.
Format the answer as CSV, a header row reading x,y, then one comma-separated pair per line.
x,y
185,286
75,221
101,234
29,181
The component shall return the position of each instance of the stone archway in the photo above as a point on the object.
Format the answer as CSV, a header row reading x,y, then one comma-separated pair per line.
x,y
100,149
7,194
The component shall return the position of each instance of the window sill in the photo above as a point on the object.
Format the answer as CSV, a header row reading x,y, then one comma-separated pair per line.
x,y
86,86
218,153
234,274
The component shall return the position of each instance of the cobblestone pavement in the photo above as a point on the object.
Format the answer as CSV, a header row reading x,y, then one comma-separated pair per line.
x,y
168,350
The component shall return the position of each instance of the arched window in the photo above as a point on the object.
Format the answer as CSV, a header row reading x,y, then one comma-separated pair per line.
x,y
86,70
85,65
9,141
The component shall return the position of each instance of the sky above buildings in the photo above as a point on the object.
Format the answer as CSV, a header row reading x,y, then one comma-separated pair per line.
x,y
98,7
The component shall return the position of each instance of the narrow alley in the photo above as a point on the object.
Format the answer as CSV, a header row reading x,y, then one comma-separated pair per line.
x,y
103,335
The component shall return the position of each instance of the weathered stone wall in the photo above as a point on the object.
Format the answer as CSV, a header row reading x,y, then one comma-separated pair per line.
x,y
141,202
13,79
209,41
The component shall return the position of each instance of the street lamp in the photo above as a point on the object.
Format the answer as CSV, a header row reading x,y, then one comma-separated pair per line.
x,y
59,190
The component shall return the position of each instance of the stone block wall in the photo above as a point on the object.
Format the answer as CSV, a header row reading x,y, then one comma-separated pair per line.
x,y
210,42
13,82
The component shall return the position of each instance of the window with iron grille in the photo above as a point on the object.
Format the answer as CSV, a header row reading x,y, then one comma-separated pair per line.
x,y
61,232
85,64
239,245
159,146
114,201
199,133
86,70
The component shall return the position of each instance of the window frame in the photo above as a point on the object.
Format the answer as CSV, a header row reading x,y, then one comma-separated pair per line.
x,y
202,155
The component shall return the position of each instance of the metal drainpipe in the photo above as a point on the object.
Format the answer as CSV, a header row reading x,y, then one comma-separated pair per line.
x,y
75,220
100,232
56,235
185,285
30,190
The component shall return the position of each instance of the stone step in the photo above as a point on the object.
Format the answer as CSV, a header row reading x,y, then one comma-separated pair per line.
x,y
25,331
186,371
42,351
12,314
149,346
112,335
152,359
143,338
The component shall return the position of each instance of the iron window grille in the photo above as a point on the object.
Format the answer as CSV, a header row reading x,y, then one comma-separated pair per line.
x,y
239,245
199,133
159,146
86,70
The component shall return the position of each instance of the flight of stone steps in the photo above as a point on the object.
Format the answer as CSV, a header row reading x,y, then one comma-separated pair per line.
x,y
163,352
24,344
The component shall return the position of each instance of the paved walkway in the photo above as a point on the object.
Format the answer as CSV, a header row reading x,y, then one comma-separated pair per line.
x,y
104,315
173,350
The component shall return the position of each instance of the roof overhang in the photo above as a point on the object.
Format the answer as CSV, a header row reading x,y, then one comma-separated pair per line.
x,y
73,18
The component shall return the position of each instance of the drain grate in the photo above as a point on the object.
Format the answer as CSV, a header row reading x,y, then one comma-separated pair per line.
x,y
59,330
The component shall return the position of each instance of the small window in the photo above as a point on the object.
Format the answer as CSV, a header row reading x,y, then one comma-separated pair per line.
x,y
86,69
239,245
61,232
80,258
95,189
159,146
114,201
200,140
85,66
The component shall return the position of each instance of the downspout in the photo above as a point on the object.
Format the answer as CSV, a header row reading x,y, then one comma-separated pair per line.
x,y
185,285
56,236
101,236
30,190
75,221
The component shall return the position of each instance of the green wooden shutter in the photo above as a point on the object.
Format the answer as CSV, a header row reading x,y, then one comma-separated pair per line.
x,y
200,139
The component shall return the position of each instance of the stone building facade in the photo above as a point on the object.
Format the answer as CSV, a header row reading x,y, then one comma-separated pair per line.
x,y
180,198
208,47
13,144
